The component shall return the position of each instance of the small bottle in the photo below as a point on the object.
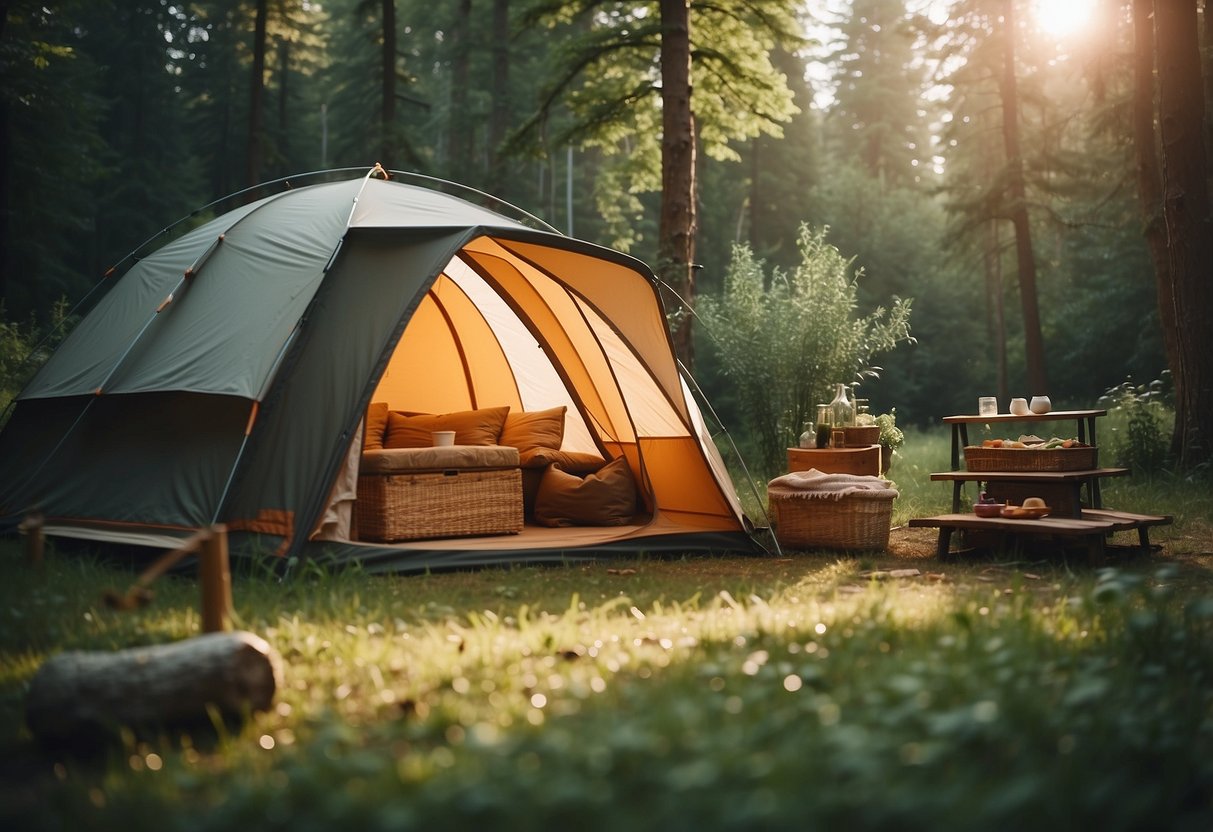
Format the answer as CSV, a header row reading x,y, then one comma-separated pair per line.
x,y
823,426
807,438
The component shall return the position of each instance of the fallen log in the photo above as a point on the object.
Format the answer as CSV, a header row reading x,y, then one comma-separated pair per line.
x,y
81,694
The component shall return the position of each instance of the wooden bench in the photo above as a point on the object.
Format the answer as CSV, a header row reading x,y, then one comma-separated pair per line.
x,y
1094,527
1125,521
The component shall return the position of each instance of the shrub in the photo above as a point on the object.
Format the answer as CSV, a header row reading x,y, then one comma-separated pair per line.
x,y
782,342
23,349
1141,444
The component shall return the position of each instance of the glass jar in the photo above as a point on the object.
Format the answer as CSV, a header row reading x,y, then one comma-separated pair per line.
x,y
842,409
823,425
807,438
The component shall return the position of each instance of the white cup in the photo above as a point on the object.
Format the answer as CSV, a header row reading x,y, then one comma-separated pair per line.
x,y
987,406
444,437
1020,407
1041,404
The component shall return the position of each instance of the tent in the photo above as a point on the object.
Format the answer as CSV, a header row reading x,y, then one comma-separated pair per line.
x,y
226,378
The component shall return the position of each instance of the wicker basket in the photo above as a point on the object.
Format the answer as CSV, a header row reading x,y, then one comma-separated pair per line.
x,y
441,504
1081,458
857,522
862,435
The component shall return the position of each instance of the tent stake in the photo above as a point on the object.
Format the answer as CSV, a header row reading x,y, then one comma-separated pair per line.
x,y
210,544
216,579
31,527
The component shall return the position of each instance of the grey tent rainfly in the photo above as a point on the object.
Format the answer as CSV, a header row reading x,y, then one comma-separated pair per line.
x,y
245,372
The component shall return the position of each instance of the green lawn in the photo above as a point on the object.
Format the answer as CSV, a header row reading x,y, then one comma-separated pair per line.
x,y
796,692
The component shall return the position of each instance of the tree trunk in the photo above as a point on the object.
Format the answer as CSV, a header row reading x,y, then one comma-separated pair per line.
x,y
499,113
256,94
996,318
284,134
1208,73
1149,183
387,107
5,186
1189,231
77,694
996,324
459,142
676,247
1025,257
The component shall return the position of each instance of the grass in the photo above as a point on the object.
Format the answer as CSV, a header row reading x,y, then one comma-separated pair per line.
x,y
805,691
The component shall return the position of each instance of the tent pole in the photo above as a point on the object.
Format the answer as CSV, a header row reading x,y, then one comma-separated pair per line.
x,y
740,460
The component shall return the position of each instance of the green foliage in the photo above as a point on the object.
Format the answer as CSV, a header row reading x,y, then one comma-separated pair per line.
x,y
891,436
782,341
604,69
23,349
1140,414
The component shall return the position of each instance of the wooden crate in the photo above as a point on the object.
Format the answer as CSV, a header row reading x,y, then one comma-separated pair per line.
x,y
863,461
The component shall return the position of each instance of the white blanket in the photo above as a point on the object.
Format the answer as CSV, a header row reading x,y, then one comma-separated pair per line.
x,y
814,484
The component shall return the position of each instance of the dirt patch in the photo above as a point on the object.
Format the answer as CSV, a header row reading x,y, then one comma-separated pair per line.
x,y
912,544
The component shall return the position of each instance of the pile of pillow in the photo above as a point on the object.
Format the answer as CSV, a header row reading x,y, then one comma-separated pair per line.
x,y
560,488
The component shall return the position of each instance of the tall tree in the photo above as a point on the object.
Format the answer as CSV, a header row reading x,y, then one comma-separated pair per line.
x,y
722,87
1017,206
52,154
1189,227
499,109
783,171
256,115
676,253
878,111
459,127
387,81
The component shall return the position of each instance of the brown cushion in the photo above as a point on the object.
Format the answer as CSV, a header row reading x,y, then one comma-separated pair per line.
x,y
528,429
604,498
472,427
376,426
571,462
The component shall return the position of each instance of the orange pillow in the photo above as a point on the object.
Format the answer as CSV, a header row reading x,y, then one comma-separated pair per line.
x,y
376,426
604,498
472,427
526,430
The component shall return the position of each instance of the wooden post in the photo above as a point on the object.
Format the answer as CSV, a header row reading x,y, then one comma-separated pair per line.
x,y
216,579
31,527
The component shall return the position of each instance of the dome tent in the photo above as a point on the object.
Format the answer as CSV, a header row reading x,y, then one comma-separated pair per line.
x,y
225,377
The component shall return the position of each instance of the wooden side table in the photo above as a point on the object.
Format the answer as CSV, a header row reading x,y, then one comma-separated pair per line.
x,y
862,461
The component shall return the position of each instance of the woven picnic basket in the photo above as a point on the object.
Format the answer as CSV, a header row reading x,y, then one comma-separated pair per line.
x,y
858,521
1081,458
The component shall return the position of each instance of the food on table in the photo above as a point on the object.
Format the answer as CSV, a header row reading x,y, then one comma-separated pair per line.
x,y
1033,443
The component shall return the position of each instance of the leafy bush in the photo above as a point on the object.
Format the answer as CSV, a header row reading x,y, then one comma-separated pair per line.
x,y
1140,434
25,348
782,342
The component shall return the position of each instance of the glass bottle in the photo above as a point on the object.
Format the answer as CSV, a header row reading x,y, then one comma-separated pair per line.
x,y
823,425
841,409
807,437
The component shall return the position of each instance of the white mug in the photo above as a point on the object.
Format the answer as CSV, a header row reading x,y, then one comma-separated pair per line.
x,y
1041,404
444,437
1019,407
